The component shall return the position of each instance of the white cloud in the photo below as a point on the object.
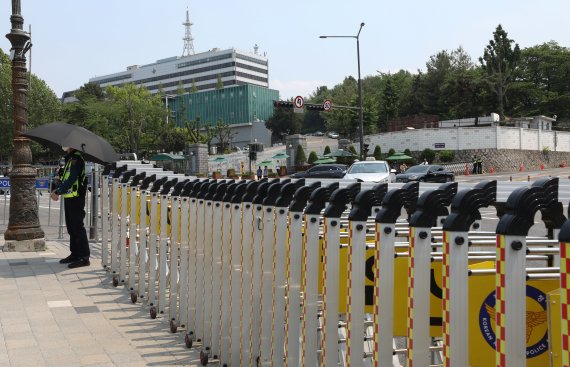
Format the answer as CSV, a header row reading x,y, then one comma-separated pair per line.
x,y
292,88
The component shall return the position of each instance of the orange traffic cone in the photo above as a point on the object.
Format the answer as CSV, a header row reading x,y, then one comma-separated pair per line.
x,y
542,166
521,168
563,164
466,169
492,170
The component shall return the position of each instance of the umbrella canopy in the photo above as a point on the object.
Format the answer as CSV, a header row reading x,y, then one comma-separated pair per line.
x,y
325,160
265,163
280,156
59,134
219,160
340,153
399,157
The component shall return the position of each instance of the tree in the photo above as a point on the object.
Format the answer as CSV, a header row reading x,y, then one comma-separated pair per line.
x,y
377,152
194,88
312,157
43,107
283,122
300,158
428,155
327,150
500,61
138,118
224,133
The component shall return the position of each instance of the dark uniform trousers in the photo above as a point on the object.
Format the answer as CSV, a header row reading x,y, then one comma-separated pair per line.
x,y
74,216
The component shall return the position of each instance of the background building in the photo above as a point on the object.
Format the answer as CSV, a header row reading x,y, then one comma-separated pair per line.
x,y
201,70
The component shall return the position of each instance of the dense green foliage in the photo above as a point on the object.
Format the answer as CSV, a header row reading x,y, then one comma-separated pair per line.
x,y
312,157
377,152
446,155
507,80
428,155
300,157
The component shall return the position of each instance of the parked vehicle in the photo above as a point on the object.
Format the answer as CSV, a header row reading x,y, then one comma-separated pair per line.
x,y
322,171
318,133
426,173
332,135
370,171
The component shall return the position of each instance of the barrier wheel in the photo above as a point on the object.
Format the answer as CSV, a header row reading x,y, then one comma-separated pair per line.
x,y
134,297
115,281
153,312
173,326
203,358
188,341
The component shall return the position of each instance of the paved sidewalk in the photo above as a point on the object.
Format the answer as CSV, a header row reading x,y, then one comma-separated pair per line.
x,y
54,316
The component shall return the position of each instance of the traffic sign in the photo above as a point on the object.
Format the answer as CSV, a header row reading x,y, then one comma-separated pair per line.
x,y
298,104
42,183
4,182
327,105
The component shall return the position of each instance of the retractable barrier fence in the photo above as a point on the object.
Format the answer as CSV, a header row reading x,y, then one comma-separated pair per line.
x,y
271,273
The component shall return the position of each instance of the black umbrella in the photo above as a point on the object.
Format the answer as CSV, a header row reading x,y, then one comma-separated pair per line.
x,y
59,134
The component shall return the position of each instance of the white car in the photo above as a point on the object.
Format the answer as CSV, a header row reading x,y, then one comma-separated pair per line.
x,y
333,135
371,171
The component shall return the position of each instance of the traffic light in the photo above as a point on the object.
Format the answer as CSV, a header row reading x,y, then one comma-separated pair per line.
x,y
252,155
282,104
365,149
314,107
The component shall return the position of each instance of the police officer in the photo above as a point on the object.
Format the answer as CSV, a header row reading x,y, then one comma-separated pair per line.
x,y
73,187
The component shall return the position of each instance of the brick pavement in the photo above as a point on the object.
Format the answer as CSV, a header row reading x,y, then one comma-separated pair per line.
x,y
54,316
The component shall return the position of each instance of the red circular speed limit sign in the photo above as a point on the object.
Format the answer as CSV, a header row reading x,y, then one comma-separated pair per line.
x,y
327,104
299,102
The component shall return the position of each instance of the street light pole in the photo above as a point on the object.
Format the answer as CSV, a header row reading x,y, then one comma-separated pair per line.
x,y
360,113
24,232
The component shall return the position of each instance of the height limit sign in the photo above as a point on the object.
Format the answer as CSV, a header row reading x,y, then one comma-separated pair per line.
x,y
299,103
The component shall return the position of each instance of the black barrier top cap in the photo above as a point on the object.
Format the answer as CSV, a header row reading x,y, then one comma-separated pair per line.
x,y
230,192
158,183
196,188
273,193
319,198
564,235
221,191
167,186
108,168
119,171
552,212
137,178
204,189
365,200
524,202
188,187
394,200
127,176
147,181
466,204
212,190
287,191
339,199
301,196
274,180
178,188
261,192
433,204
250,191
239,192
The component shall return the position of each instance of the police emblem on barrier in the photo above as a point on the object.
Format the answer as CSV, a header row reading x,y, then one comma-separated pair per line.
x,y
536,322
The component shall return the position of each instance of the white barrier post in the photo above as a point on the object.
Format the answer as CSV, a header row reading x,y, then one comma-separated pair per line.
x,y
431,204
384,271
105,213
294,264
464,212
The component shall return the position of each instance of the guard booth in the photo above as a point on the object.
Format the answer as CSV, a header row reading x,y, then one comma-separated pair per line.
x,y
173,162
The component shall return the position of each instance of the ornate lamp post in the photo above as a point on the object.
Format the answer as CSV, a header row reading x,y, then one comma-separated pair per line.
x,y
24,232
360,117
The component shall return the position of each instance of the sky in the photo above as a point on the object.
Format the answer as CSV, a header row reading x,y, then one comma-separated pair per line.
x,y
74,40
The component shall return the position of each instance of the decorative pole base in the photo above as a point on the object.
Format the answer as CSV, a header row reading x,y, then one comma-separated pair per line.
x,y
37,244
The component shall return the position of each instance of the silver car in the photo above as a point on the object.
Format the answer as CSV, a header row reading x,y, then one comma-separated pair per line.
x,y
371,171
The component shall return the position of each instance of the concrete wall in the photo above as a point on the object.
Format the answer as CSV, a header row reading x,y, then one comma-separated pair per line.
x,y
471,138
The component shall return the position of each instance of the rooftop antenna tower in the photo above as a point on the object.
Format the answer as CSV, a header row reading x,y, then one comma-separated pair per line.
x,y
188,44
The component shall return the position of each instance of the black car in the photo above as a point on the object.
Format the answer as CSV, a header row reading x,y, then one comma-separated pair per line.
x,y
426,173
322,171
